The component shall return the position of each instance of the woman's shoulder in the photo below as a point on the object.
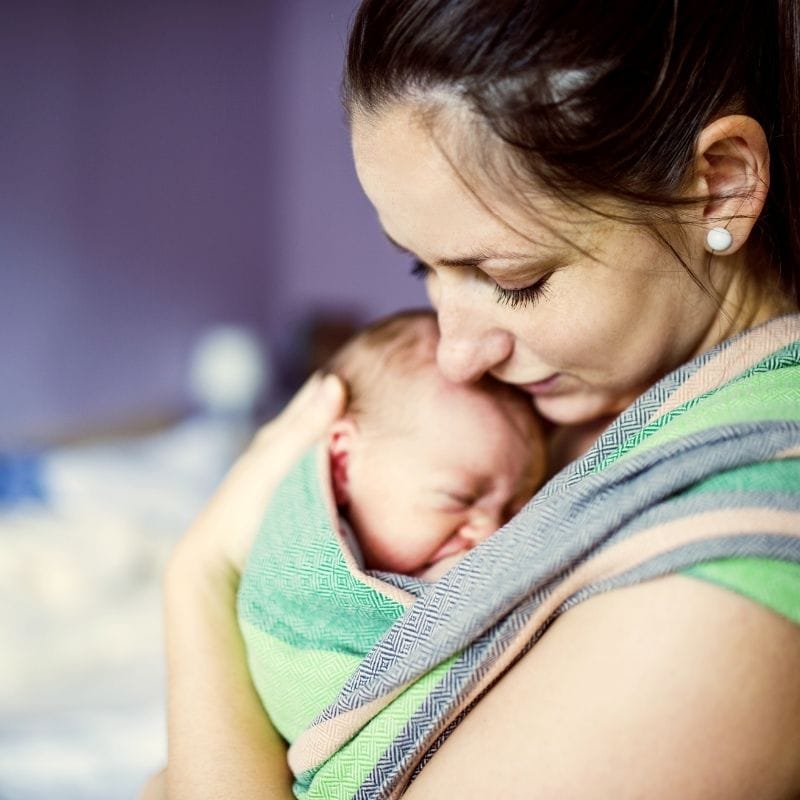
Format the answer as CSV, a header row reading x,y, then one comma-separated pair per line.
x,y
772,583
672,688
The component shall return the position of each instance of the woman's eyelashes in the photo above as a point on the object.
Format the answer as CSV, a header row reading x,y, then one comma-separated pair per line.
x,y
419,269
524,296
516,298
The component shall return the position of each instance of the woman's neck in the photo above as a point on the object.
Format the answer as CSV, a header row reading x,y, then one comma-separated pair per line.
x,y
750,297
744,302
566,443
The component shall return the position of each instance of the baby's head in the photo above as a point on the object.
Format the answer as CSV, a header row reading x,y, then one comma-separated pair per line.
x,y
425,469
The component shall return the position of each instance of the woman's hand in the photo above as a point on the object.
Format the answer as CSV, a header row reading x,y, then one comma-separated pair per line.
x,y
222,535
221,743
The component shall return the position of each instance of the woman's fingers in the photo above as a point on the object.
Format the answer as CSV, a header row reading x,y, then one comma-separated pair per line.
x,y
224,531
308,415
324,390
305,420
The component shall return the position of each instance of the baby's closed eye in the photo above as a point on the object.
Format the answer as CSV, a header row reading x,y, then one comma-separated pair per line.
x,y
462,499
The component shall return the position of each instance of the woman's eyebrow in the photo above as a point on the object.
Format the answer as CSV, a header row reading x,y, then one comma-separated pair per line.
x,y
465,261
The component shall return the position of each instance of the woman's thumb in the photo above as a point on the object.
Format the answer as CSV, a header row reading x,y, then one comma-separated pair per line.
x,y
332,396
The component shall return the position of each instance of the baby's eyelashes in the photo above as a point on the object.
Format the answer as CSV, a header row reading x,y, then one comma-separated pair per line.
x,y
462,500
480,507
452,500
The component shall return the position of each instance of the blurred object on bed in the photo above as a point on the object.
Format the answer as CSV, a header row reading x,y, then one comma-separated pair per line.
x,y
85,530
230,373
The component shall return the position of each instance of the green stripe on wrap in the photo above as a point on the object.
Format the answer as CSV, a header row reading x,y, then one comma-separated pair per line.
x,y
297,585
306,619
356,759
771,583
771,387
296,693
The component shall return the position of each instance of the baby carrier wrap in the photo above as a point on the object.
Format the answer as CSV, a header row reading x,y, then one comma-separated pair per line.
x,y
365,673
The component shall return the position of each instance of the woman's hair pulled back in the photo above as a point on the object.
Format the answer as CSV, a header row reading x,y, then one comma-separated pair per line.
x,y
601,98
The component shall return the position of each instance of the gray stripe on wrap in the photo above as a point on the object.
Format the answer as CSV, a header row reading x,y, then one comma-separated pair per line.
x,y
459,679
551,535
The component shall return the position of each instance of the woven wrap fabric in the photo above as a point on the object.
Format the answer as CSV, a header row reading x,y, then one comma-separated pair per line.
x,y
365,674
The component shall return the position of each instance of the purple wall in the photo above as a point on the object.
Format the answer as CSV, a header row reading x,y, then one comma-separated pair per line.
x,y
164,166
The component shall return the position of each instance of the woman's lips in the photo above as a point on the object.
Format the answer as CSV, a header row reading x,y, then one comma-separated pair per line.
x,y
549,385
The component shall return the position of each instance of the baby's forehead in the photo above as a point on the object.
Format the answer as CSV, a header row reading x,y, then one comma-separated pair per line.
x,y
399,381
399,349
432,400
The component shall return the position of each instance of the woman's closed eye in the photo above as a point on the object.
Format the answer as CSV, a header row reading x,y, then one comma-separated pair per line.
x,y
516,298
525,295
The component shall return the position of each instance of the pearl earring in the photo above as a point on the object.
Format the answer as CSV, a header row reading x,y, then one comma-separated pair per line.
x,y
718,240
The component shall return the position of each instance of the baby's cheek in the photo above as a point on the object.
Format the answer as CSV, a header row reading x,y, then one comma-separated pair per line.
x,y
441,567
404,548
408,543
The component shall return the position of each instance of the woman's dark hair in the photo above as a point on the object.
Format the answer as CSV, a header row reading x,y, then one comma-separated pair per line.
x,y
602,98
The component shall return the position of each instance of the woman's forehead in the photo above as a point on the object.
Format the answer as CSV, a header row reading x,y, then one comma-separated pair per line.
x,y
430,201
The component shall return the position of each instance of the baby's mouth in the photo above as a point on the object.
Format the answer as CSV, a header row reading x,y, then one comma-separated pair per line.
x,y
435,569
455,544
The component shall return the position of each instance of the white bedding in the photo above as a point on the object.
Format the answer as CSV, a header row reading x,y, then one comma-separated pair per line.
x,y
81,673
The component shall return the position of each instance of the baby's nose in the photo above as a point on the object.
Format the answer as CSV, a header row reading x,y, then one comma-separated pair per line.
x,y
481,525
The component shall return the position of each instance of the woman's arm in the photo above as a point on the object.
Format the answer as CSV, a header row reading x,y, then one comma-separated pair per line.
x,y
221,743
671,689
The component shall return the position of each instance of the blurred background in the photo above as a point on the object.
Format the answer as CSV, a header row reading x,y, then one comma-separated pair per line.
x,y
166,167
182,238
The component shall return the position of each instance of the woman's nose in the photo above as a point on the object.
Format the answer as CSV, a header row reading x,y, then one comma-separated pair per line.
x,y
467,348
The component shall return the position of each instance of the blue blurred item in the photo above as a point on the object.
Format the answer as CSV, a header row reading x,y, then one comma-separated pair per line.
x,y
85,532
21,478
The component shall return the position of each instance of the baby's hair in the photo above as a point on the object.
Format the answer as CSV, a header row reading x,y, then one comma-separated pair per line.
x,y
379,357
381,362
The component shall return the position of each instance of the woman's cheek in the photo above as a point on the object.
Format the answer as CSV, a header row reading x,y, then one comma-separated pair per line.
x,y
545,329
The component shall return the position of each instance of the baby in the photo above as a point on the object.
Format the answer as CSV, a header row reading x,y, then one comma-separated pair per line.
x,y
418,472
423,469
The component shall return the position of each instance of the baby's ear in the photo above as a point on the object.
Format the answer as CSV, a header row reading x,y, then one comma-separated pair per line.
x,y
341,439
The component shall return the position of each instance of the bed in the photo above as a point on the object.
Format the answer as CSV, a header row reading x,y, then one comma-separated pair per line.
x,y
85,530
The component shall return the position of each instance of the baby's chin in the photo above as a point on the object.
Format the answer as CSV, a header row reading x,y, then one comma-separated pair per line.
x,y
435,571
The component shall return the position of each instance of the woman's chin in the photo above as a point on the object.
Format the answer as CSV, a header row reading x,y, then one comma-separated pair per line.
x,y
578,408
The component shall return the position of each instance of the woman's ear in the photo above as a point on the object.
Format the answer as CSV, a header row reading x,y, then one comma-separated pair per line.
x,y
341,441
732,170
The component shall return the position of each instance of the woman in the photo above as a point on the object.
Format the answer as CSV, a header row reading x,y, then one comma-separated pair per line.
x,y
597,195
